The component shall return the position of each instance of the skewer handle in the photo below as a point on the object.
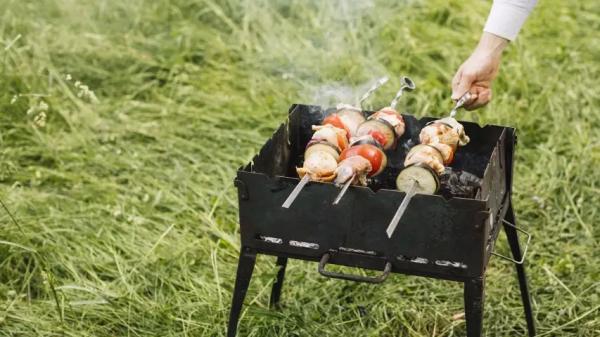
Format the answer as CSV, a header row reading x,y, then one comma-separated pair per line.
x,y
371,90
290,199
401,209
459,104
407,84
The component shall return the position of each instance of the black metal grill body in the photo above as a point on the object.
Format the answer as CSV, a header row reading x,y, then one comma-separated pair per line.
x,y
445,239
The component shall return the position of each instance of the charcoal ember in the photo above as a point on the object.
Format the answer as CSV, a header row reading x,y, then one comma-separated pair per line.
x,y
458,183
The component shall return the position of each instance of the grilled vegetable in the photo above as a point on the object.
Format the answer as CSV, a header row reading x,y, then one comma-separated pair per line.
x,y
322,146
393,117
346,117
335,120
369,152
426,178
380,130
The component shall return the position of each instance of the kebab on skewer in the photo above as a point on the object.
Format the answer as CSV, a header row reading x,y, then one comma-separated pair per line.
x,y
366,157
323,151
423,164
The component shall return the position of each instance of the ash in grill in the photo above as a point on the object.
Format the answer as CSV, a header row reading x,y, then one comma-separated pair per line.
x,y
449,236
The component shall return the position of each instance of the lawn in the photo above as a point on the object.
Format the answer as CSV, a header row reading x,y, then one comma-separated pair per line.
x,y
122,124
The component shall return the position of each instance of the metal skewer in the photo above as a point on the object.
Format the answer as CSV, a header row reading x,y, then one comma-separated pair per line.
x,y
406,84
343,191
459,104
371,90
401,209
290,199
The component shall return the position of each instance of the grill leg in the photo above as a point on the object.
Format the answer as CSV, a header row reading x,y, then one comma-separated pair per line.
x,y
242,280
515,247
276,291
474,296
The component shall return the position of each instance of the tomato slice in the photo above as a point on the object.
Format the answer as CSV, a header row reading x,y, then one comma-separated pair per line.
x,y
336,121
372,153
379,137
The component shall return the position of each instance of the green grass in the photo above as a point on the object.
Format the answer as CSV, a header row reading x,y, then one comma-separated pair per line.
x,y
127,208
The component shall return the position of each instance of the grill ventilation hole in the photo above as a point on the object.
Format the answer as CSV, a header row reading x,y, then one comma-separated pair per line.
x,y
270,239
303,244
358,251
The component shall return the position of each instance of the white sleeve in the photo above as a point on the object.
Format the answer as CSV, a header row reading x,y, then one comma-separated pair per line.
x,y
508,16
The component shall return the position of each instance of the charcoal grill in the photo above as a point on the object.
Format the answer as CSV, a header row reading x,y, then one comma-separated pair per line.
x,y
451,239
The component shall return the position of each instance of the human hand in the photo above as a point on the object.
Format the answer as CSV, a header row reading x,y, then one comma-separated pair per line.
x,y
476,74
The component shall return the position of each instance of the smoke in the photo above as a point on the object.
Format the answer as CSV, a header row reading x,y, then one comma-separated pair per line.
x,y
324,49
332,94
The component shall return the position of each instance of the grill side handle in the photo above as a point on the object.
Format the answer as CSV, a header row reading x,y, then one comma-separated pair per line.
x,y
356,278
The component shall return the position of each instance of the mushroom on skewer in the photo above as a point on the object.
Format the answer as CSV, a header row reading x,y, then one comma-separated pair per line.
x,y
425,162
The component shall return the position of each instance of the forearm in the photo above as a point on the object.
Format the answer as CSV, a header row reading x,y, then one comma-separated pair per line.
x,y
507,17
491,45
477,73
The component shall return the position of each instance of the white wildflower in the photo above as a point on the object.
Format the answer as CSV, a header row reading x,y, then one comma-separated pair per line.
x,y
39,113
40,107
40,120
135,220
117,212
68,77
84,92
14,99
538,200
